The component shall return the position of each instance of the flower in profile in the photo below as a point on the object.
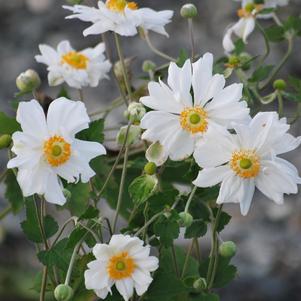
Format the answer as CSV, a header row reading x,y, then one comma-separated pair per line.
x,y
250,10
124,262
120,16
47,148
180,120
77,68
249,159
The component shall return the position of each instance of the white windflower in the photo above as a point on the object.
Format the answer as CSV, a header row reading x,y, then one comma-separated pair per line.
x,y
249,159
47,149
178,121
77,68
124,262
120,16
250,10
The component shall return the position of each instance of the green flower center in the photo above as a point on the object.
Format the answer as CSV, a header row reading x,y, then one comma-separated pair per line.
x,y
56,150
120,266
195,118
249,7
245,163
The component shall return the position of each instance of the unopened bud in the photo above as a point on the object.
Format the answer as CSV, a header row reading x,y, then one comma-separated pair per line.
x,y
28,81
233,60
5,141
148,66
135,112
132,137
189,10
150,168
200,284
279,84
63,292
186,219
227,249
156,153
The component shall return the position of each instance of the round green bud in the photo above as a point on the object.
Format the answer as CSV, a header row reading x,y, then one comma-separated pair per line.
x,y
233,60
279,84
189,10
200,284
67,193
227,249
186,219
245,61
150,168
135,112
148,66
28,81
133,135
5,141
63,292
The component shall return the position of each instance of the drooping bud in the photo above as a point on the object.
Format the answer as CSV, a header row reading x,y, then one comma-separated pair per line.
x,y
150,168
227,249
135,112
148,66
279,84
5,141
189,10
63,292
186,219
200,284
28,81
133,135
156,153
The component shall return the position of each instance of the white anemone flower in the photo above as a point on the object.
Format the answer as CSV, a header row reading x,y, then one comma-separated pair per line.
x,y
247,19
125,263
180,120
77,68
47,148
249,159
120,16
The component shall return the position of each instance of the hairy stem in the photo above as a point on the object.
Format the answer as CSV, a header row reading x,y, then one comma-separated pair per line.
x,y
192,193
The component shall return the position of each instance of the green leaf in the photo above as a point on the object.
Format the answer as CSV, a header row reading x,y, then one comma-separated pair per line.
x,y
31,225
261,73
239,46
90,213
205,297
224,220
13,192
183,56
293,24
197,229
8,125
275,33
58,255
142,188
78,202
167,230
94,132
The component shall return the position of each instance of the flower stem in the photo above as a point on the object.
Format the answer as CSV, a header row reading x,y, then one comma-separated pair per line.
x,y
123,67
174,258
150,221
5,212
44,283
280,104
121,187
191,35
187,258
72,260
192,193
267,44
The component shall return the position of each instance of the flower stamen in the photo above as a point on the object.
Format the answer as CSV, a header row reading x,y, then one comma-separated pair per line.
x,y
121,266
120,5
194,120
75,59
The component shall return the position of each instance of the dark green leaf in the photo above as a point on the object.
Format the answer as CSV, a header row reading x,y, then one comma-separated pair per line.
x,y
8,125
275,33
197,229
261,73
182,57
239,46
94,132
90,213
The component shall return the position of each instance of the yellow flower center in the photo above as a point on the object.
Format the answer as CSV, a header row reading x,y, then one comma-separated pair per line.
x,y
120,5
75,59
121,266
245,163
57,151
194,120
250,10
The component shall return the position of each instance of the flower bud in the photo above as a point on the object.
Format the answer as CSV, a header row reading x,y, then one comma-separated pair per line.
x,y
227,249
233,60
156,153
200,284
135,112
150,168
186,219
67,193
148,66
189,10
279,84
28,81
133,135
119,72
63,292
5,141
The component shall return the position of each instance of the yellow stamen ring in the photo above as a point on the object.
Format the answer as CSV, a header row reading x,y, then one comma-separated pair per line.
x,y
57,151
121,266
75,59
120,5
194,120
245,163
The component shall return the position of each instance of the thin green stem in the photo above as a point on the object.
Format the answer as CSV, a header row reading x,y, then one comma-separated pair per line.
x,y
157,51
280,104
266,41
191,35
149,222
117,102
72,219
192,193
3,175
40,219
174,258
187,259
72,260
123,67
5,212
121,188
281,63
44,283
197,248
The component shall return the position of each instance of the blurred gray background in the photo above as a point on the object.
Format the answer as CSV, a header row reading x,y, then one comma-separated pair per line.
x,y
269,238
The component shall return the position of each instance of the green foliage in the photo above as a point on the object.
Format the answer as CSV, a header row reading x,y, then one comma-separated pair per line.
x,y
31,225
94,132
8,125
167,229
197,229
275,33
261,73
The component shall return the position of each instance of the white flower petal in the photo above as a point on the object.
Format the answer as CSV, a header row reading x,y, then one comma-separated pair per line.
x,y
248,192
53,191
125,287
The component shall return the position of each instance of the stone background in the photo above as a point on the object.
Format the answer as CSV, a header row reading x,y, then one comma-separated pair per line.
x,y
269,238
